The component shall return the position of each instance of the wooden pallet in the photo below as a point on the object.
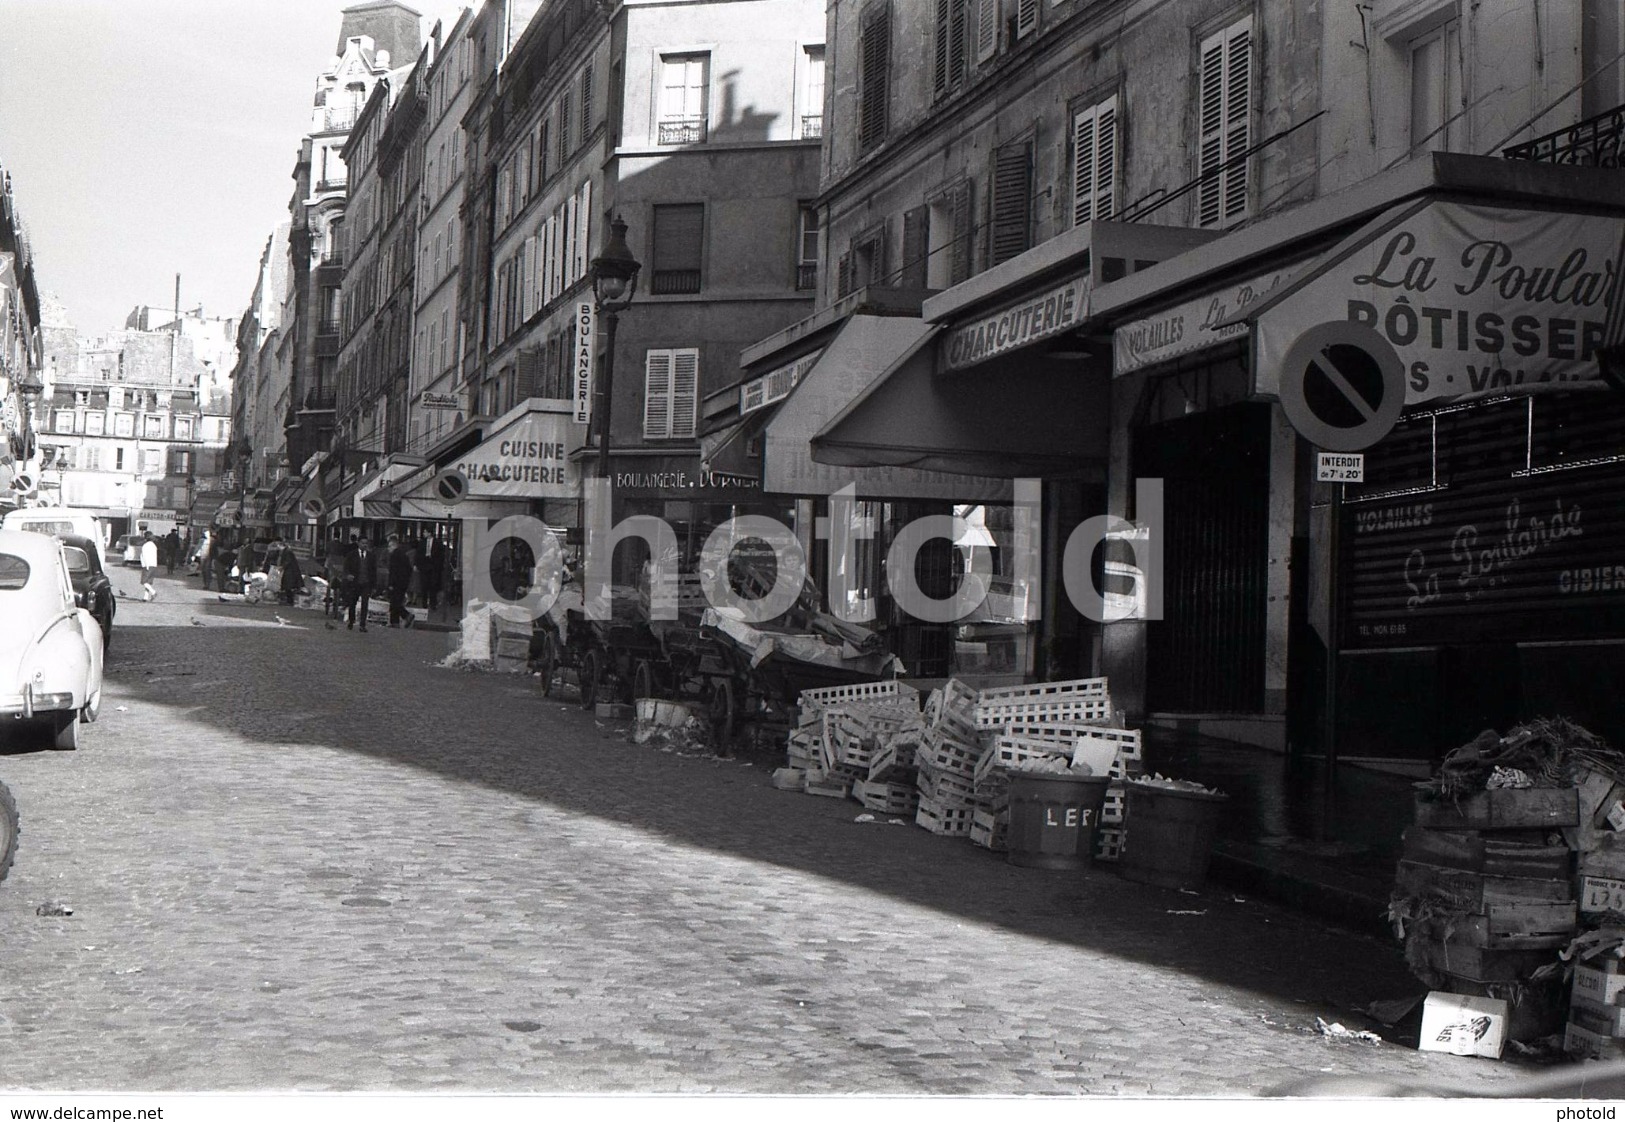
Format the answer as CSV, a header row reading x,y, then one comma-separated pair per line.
x,y
948,821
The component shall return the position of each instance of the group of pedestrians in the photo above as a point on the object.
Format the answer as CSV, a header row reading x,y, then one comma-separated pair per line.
x,y
354,574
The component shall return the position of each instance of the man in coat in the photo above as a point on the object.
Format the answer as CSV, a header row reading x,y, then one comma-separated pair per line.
x,y
400,581
358,577
172,550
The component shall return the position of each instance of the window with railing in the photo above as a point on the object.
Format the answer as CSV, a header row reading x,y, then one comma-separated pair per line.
x,y
684,82
1597,142
679,240
807,248
812,94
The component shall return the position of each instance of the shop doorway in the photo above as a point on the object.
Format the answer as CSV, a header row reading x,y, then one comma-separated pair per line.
x,y
1206,655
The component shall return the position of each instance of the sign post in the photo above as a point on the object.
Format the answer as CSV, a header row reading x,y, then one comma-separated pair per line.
x,y
1342,387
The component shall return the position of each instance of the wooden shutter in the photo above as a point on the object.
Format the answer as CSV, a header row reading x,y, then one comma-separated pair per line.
x,y
1026,18
1225,121
962,230
948,57
527,372
987,29
685,393
915,224
1094,162
657,395
874,76
1012,201
843,276
586,102
583,230
565,125
568,258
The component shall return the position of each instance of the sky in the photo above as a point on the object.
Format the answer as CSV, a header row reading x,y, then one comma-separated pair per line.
x,y
147,138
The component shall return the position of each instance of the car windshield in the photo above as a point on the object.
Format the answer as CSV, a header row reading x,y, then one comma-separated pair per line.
x,y
78,559
13,572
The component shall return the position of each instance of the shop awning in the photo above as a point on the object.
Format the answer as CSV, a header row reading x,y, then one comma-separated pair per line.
x,y
729,451
524,455
863,351
1477,299
1017,416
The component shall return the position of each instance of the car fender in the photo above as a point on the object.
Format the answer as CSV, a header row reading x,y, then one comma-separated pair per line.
x,y
67,661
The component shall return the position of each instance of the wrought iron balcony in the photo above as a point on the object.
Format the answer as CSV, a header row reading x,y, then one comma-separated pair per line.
x,y
327,327
1595,142
682,130
807,276
812,126
674,282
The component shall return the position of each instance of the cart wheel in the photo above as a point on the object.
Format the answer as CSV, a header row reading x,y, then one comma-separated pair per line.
x,y
548,663
587,675
643,682
724,713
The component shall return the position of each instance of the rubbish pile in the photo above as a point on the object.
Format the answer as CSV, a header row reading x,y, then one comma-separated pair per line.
x,y
1513,862
948,764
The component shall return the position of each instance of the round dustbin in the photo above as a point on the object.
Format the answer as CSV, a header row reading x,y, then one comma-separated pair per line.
x,y
1168,835
1053,819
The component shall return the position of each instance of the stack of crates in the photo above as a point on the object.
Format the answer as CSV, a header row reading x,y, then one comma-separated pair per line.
x,y
1054,720
945,761
841,732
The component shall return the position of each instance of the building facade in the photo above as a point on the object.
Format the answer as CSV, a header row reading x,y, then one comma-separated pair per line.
x,y
21,355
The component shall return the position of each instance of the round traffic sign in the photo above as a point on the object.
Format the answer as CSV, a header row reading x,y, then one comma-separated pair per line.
x,y
450,486
314,507
1342,386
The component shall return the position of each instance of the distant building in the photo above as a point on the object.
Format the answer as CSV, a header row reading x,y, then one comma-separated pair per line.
x,y
20,352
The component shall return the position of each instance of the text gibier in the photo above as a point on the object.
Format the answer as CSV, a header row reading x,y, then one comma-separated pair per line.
x,y
1144,537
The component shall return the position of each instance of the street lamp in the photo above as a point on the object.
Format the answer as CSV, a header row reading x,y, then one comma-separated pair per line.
x,y
614,275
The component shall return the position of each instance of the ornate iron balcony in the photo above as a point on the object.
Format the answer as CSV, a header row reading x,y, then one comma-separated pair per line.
x,y
1595,142
812,126
682,130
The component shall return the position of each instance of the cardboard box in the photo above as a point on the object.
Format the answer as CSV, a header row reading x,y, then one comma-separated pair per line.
x,y
1581,1041
1599,986
1463,1026
1604,1020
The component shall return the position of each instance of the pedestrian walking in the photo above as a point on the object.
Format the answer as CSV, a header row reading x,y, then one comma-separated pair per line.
x,y
400,581
433,573
172,550
358,579
205,558
149,565
333,570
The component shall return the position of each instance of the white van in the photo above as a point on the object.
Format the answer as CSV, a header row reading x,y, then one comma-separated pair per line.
x,y
57,521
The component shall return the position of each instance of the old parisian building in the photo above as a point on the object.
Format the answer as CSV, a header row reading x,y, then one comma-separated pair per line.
x,y
371,35
21,353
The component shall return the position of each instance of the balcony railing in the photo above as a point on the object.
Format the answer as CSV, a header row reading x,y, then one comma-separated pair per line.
x,y
1595,142
341,118
327,327
682,130
807,276
331,184
674,282
812,126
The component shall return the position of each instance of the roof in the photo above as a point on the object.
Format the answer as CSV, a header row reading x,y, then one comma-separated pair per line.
x,y
35,548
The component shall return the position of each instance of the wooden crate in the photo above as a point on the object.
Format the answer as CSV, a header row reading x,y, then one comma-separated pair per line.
x,y
1462,960
1043,691
1510,927
1013,751
944,787
1504,808
947,753
825,696
1074,710
893,762
948,821
988,828
1477,891
1497,853
1108,842
886,798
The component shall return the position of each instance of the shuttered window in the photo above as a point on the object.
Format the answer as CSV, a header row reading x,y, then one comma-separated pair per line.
x,y
1012,202
1026,18
874,76
987,29
671,394
679,238
586,102
912,273
1225,114
1094,162
948,58
583,231
684,82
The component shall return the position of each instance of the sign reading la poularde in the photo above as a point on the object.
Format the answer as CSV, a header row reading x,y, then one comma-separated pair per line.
x,y
1049,313
1190,326
1475,300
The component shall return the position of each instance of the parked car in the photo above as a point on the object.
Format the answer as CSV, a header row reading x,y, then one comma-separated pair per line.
x,y
128,547
50,648
57,521
91,587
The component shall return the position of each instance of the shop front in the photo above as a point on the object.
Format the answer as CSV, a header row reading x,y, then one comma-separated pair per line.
x,y
1480,565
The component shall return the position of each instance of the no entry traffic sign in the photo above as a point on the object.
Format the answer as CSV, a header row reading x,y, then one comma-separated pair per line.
x,y
450,487
1342,386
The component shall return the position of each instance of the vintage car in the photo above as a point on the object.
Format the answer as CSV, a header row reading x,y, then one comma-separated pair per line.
x,y
91,586
50,648
128,547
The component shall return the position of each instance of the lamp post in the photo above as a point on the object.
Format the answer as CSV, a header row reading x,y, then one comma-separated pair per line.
x,y
29,389
614,275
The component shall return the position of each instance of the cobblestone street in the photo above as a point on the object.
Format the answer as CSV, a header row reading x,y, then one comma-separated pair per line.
x,y
302,858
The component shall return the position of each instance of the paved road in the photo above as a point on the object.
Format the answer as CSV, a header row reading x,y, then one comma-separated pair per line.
x,y
313,859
